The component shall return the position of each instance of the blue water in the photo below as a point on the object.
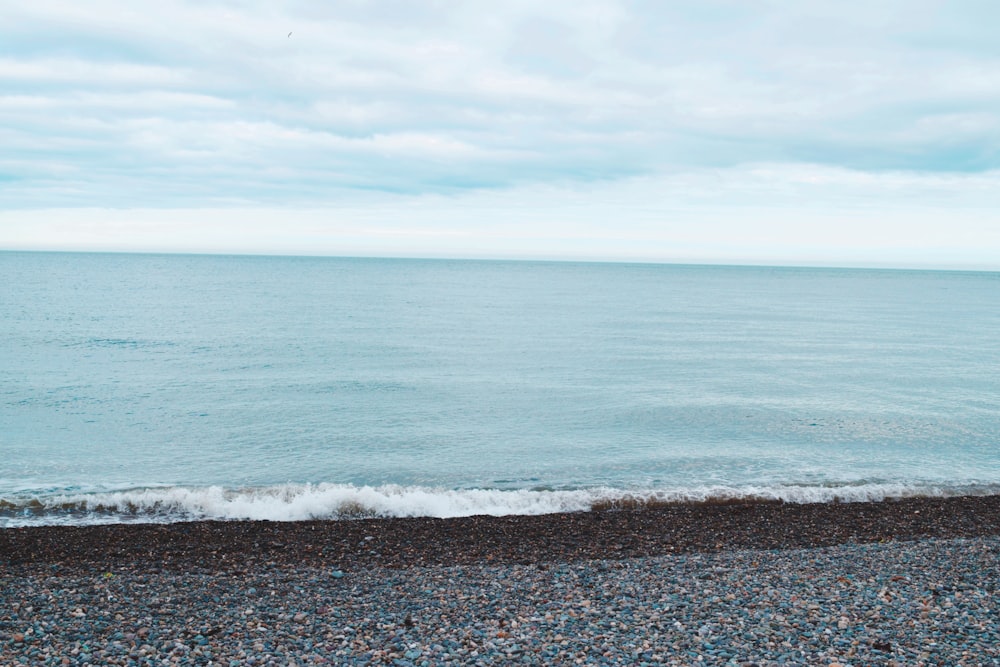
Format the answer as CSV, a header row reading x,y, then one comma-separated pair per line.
x,y
159,387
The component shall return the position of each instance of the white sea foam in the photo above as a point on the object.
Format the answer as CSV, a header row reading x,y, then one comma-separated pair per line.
x,y
296,502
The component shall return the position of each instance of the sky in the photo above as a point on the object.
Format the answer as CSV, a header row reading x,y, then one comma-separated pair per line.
x,y
750,131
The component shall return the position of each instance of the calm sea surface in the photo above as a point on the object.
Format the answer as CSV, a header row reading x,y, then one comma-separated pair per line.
x,y
158,387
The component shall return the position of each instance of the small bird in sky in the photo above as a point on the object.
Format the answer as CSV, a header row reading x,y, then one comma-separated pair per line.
x,y
289,34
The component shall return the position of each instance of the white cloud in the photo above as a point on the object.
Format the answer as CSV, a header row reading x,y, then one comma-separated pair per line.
x,y
146,101
751,214
696,114
77,73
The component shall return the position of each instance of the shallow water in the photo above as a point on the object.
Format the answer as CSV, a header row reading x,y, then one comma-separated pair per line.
x,y
157,387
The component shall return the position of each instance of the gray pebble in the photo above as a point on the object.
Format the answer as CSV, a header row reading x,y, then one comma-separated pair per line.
x,y
929,602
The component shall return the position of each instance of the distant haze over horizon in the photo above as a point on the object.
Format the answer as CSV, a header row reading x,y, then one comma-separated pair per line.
x,y
816,134
695,263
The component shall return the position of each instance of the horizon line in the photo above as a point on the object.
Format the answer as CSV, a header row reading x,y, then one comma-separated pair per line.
x,y
546,259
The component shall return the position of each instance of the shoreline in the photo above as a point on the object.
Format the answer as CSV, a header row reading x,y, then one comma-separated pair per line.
x,y
909,582
612,534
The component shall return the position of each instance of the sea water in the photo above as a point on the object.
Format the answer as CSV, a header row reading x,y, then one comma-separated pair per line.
x,y
169,387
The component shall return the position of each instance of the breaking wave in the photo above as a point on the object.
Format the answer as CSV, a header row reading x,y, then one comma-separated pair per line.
x,y
297,502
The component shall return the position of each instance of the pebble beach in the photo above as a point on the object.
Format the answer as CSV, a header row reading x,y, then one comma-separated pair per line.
x,y
897,582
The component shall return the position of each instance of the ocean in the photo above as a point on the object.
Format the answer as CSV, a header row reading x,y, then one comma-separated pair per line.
x,y
157,388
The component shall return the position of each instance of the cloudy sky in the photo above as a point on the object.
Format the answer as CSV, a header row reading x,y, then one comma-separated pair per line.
x,y
747,131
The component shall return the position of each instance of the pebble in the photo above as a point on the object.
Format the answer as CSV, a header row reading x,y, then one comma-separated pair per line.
x,y
928,602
